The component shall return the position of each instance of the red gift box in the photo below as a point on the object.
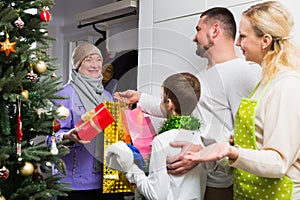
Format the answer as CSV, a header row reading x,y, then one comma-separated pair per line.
x,y
93,122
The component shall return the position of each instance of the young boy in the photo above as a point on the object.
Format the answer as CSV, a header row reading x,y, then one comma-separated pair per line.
x,y
180,95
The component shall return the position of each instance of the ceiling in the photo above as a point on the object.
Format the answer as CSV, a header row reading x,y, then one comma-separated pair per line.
x,y
63,11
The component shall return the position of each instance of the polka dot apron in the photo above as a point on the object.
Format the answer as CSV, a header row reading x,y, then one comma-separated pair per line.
x,y
247,185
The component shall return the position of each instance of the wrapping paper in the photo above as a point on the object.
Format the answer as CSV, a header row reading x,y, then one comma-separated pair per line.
x,y
141,130
93,122
115,181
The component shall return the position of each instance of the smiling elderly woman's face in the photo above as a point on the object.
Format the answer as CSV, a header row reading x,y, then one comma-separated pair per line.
x,y
91,66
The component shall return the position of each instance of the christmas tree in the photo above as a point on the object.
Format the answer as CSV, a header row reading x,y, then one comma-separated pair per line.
x,y
28,86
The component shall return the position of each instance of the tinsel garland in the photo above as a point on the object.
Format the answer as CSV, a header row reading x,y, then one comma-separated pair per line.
x,y
181,122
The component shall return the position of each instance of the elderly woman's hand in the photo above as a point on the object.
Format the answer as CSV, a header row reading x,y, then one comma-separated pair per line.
x,y
72,136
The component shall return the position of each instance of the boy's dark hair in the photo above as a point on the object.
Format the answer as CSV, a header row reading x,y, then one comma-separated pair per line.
x,y
183,89
224,16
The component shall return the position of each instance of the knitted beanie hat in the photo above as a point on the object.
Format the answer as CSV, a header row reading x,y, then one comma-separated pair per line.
x,y
82,51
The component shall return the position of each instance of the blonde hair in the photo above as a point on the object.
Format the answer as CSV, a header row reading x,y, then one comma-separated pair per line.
x,y
273,18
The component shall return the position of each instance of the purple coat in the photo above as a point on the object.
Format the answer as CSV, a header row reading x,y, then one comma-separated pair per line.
x,y
80,161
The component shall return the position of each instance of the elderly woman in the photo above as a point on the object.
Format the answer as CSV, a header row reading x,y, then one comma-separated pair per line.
x,y
85,92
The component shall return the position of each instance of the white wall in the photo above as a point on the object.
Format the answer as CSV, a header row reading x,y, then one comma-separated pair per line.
x,y
165,36
294,7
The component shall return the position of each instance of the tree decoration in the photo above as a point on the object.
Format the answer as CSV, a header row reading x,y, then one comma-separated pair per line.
x,y
2,197
53,148
40,66
56,126
19,132
19,23
45,15
46,166
53,75
40,111
31,75
7,46
4,173
24,93
27,169
62,112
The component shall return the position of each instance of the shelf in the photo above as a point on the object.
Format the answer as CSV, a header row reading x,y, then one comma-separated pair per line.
x,y
116,12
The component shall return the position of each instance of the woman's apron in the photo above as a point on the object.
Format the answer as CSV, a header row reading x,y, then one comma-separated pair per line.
x,y
247,185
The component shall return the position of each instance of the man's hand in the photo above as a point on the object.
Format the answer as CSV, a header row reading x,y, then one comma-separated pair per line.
x,y
178,164
72,136
128,96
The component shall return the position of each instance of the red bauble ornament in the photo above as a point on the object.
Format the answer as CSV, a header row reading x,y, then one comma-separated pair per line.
x,y
56,125
45,15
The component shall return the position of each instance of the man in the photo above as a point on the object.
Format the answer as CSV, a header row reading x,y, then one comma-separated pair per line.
x,y
225,80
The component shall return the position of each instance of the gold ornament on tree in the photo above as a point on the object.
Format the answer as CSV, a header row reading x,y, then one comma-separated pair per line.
x,y
2,197
27,169
40,66
24,93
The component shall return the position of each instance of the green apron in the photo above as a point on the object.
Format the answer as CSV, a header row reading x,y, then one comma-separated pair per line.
x,y
247,185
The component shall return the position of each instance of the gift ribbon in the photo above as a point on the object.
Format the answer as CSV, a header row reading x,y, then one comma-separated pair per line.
x,y
95,126
88,116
